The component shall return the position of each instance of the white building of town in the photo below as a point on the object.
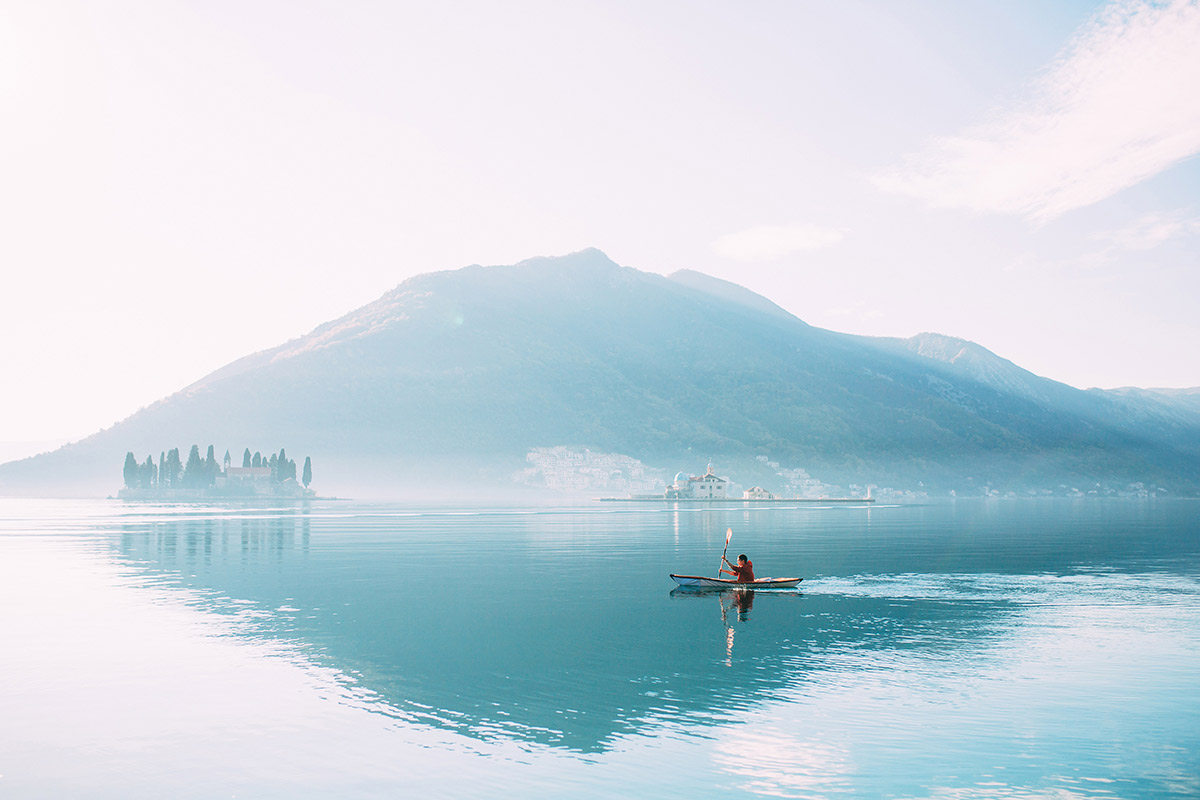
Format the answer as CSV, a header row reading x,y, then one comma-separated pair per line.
x,y
698,487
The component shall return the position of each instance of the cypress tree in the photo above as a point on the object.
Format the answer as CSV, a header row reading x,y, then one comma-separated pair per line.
x,y
257,459
131,470
147,473
246,458
162,467
307,471
173,467
274,465
194,469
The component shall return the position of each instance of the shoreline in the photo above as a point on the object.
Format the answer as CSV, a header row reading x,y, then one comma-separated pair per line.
x,y
712,500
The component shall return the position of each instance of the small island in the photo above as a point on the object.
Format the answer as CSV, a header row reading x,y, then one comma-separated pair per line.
x,y
711,488
199,478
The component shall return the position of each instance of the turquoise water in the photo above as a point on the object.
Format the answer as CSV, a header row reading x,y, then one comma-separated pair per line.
x,y
977,649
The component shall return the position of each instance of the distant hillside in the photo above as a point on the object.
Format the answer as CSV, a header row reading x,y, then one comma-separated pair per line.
x,y
451,377
1176,404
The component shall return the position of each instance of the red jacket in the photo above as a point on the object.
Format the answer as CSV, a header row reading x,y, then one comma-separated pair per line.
x,y
745,574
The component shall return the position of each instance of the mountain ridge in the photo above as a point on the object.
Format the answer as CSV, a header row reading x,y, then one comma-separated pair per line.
x,y
461,372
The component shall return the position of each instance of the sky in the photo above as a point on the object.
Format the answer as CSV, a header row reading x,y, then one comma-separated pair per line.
x,y
184,183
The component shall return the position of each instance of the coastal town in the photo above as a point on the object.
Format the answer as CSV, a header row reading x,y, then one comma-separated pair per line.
x,y
711,487
617,477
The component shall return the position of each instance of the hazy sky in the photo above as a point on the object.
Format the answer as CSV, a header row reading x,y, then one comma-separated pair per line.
x,y
182,183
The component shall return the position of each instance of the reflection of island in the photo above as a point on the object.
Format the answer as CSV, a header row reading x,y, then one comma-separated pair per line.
x,y
584,664
171,479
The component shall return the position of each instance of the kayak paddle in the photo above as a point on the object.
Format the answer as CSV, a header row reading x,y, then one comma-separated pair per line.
x,y
728,536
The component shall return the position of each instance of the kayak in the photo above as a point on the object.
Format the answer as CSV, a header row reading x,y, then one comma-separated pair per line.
x,y
699,582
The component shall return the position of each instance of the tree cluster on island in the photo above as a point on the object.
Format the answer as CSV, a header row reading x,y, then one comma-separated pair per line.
x,y
201,474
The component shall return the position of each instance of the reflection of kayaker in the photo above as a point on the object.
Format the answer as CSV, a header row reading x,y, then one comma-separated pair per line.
x,y
742,571
742,601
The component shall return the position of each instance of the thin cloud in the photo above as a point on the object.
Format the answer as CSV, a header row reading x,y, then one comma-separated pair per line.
x,y
1151,230
1119,105
770,242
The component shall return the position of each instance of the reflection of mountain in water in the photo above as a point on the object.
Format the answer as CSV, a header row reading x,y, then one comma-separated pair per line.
x,y
556,629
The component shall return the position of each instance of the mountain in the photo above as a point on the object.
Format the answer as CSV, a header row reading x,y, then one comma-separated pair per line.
x,y
452,377
985,367
1175,404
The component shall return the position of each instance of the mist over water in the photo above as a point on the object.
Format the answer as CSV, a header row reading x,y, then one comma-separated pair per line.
x,y
974,649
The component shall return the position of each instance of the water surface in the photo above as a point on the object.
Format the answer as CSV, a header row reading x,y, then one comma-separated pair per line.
x,y
976,649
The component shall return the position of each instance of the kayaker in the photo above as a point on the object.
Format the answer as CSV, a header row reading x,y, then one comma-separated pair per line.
x,y
743,570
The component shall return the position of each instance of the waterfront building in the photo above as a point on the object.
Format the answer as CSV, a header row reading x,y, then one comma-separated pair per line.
x,y
698,487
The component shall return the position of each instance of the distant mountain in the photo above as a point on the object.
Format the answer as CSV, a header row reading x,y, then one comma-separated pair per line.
x,y
985,367
1188,398
451,377
1155,406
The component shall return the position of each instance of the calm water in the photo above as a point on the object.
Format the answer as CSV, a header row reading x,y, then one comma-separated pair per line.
x,y
973,650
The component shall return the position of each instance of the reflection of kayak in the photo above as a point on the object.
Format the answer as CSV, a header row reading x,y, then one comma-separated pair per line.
x,y
698,582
